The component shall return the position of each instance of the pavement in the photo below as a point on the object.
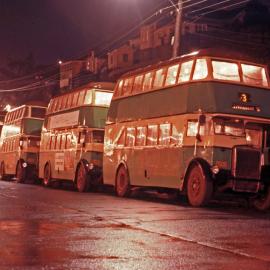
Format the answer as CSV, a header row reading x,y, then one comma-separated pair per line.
x,y
43,228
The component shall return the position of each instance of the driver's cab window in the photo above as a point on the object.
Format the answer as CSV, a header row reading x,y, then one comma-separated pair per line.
x,y
254,134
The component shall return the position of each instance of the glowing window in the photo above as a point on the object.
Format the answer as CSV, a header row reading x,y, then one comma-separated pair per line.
x,y
75,99
164,134
63,142
141,136
130,138
121,138
119,87
201,70
147,82
103,98
172,75
177,136
88,97
254,75
159,78
81,98
152,135
192,128
137,83
185,71
225,71
69,101
68,141
127,86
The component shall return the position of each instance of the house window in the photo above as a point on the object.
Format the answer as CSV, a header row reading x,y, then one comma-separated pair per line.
x,y
125,58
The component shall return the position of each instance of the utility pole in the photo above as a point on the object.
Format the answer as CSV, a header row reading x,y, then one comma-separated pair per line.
x,y
177,29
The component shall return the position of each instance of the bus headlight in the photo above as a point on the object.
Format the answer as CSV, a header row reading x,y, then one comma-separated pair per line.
x,y
215,169
24,164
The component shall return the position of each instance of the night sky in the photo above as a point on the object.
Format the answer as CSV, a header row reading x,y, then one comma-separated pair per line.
x,y
67,29
64,29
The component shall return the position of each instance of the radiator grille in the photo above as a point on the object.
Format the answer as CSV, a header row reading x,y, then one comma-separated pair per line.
x,y
246,163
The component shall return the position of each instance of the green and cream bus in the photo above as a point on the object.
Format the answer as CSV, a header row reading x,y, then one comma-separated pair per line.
x,y
72,136
19,142
199,123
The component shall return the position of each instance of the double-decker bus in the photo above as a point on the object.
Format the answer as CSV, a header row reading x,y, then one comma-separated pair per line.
x,y
199,123
19,142
72,136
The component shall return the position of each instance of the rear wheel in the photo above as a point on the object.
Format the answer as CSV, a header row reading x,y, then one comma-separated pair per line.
x,y
122,185
20,172
2,171
199,186
262,202
47,180
82,181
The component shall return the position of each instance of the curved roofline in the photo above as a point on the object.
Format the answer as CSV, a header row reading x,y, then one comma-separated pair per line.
x,y
211,52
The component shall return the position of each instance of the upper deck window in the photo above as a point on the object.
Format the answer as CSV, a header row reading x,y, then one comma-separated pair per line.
x,y
103,98
118,90
185,71
81,98
201,70
254,75
172,75
127,86
137,83
159,78
225,71
88,97
147,82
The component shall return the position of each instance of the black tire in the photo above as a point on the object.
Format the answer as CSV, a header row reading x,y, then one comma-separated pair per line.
x,y
20,172
262,202
47,178
199,186
2,171
82,181
122,183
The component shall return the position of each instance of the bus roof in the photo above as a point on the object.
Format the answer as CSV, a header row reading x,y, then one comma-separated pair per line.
x,y
214,53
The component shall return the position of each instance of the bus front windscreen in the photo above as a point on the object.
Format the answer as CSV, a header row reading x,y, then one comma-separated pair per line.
x,y
32,127
103,98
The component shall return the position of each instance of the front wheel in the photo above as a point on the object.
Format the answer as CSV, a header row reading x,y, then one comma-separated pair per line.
x,y
122,185
47,180
20,172
82,181
199,186
262,202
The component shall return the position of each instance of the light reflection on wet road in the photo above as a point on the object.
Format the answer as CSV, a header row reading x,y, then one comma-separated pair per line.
x,y
62,229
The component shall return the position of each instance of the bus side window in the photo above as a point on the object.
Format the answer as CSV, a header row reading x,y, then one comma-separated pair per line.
x,y
172,75
192,128
88,97
159,78
63,141
152,135
75,99
58,141
141,136
201,70
148,79
164,134
52,144
68,141
130,138
69,100
137,86
185,71
122,137
81,97
177,137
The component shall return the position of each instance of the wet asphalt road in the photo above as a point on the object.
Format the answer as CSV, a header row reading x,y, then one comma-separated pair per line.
x,y
62,229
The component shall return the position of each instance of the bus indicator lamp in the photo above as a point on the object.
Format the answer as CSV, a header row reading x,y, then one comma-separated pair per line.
x,y
91,166
24,164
